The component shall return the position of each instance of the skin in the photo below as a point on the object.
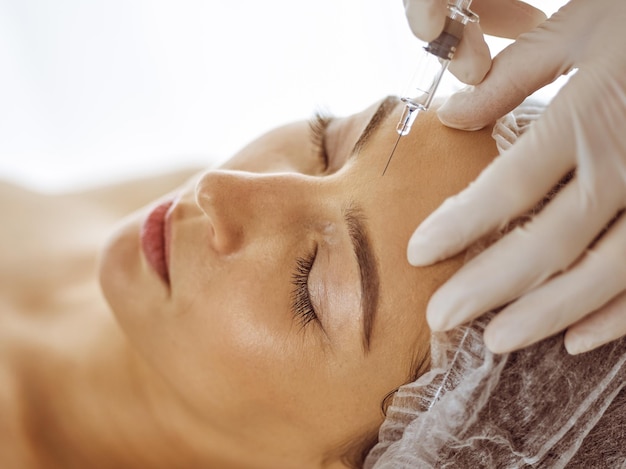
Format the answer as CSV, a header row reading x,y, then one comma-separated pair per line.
x,y
217,354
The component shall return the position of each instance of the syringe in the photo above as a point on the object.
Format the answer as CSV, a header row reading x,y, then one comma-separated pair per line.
x,y
432,65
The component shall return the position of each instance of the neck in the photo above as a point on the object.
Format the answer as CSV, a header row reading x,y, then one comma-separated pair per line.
x,y
93,402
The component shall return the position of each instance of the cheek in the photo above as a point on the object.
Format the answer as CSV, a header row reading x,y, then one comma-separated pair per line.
x,y
215,337
228,342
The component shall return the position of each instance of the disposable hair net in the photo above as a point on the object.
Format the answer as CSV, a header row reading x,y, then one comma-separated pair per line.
x,y
538,407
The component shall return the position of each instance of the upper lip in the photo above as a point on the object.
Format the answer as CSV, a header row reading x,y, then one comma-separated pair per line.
x,y
167,237
156,237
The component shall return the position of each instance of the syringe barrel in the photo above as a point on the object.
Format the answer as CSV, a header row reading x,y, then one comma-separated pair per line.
x,y
444,46
437,54
459,14
422,88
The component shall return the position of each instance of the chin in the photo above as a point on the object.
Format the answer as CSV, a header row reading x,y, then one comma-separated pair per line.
x,y
123,273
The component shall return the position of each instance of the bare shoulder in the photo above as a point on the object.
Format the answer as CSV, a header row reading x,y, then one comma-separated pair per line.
x,y
119,198
34,220
12,193
51,240
129,195
13,440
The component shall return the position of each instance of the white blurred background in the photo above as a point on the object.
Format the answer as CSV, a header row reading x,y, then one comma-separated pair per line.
x,y
93,91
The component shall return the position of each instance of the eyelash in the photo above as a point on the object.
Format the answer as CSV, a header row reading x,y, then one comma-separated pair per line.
x,y
301,304
300,299
317,127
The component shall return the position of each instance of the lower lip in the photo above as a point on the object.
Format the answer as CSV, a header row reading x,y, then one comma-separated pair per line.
x,y
154,240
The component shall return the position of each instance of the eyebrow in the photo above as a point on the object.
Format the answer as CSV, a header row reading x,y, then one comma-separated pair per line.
x,y
368,269
356,224
383,110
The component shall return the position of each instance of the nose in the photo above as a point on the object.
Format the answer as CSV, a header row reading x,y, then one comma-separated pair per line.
x,y
244,206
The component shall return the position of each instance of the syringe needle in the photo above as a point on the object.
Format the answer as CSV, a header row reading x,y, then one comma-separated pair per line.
x,y
392,152
433,64
406,121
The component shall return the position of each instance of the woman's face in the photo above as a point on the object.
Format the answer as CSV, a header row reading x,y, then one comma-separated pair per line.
x,y
281,305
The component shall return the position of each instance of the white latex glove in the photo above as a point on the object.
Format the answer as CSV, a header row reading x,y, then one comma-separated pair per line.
x,y
559,279
504,18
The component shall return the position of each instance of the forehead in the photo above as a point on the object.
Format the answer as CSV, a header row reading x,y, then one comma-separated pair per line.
x,y
430,164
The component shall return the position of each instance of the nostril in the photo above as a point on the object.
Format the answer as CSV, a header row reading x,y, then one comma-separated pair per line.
x,y
224,226
225,239
203,200
203,190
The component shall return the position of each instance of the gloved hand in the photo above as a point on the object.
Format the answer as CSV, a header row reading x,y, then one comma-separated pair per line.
x,y
559,276
504,18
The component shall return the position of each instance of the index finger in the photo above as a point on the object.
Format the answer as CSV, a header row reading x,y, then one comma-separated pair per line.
x,y
510,186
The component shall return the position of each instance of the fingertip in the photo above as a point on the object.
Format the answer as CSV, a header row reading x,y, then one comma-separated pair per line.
x,y
413,257
576,343
436,322
504,335
417,251
422,248
597,328
574,348
459,111
446,307
496,342
426,17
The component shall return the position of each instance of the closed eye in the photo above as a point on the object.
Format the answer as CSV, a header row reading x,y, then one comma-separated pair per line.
x,y
317,129
301,304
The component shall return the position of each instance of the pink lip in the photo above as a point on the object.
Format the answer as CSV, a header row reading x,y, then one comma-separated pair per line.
x,y
155,234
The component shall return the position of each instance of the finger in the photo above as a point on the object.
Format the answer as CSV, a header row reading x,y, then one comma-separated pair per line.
x,y
426,17
504,18
599,328
522,259
515,73
513,183
507,18
472,59
565,299
510,186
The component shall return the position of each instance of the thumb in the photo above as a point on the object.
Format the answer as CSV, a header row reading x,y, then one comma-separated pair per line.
x,y
515,73
426,17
